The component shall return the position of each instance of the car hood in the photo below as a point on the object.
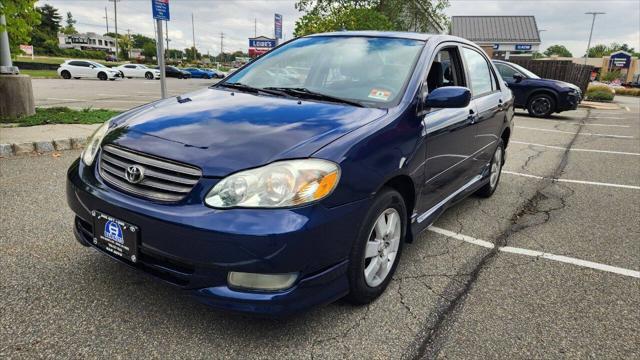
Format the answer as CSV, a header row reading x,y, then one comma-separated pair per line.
x,y
558,84
222,132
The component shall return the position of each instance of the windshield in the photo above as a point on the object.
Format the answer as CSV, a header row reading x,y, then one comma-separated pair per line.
x,y
367,70
524,71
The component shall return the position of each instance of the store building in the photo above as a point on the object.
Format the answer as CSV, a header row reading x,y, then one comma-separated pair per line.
x,y
87,41
499,36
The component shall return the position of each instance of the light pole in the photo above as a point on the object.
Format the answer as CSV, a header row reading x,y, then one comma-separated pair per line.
x,y
115,20
594,13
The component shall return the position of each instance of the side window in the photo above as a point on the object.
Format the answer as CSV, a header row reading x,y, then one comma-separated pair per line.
x,y
506,72
75,63
479,72
445,70
130,66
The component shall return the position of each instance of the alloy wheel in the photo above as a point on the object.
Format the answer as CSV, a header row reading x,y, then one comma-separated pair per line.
x,y
382,247
496,167
541,106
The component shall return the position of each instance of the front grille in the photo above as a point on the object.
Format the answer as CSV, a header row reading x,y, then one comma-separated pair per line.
x,y
163,180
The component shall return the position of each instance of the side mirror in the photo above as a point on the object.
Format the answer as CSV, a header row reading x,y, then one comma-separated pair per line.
x,y
518,77
92,66
448,97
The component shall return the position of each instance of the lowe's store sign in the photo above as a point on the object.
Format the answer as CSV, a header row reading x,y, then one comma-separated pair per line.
x,y
262,43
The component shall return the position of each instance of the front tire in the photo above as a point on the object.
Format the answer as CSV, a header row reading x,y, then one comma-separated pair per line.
x,y
148,76
376,251
541,105
65,74
102,76
495,170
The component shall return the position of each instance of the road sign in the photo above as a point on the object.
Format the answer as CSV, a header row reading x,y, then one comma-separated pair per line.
x,y
278,26
160,9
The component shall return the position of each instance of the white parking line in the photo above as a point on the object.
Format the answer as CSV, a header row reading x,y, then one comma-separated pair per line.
x,y
574,149
627,108
95,100
538,254
573,133
634,187
578,124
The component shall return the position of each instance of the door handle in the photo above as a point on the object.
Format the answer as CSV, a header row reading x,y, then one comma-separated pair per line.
x,y
472,117
500,104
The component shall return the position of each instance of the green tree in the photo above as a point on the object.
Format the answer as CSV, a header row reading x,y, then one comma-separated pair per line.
x,y
559,50
598,50
537,55
70,28
21,17
343,19
149,50
401,15
44,37
140,41
190,52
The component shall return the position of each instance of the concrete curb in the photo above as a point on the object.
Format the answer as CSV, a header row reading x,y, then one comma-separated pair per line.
x,y
41,147
599,105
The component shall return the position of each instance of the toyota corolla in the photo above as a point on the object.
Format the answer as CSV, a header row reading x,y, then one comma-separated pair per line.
x,y
270,193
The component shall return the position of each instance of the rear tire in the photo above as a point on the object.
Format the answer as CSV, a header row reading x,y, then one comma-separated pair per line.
x,y
102,76
65,74
494,176
376,251
541,105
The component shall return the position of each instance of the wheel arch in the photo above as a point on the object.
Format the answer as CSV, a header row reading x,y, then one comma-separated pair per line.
x,y
546,91
405,186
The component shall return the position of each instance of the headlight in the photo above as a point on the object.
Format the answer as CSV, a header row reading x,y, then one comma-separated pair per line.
x,y
281,184
92,147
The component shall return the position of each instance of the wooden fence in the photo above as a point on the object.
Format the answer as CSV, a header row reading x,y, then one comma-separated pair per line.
x,y
563,70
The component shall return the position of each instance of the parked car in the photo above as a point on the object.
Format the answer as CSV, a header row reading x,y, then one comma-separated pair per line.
x,y
217,74
87,69
138,71
267,199
541,97
174,72
199,73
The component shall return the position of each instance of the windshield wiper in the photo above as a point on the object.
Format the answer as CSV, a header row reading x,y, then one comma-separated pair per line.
x,y
301,92
243,87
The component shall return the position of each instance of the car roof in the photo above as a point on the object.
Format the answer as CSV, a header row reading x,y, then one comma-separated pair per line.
x,y
399,35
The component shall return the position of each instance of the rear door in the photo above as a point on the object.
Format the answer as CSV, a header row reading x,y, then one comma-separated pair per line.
x,y
449,133
77,68
487,98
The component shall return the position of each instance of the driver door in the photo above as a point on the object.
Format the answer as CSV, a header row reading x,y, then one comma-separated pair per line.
x,y
449,135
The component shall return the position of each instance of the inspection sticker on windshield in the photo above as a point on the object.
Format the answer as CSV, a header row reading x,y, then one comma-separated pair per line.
x,y
379,94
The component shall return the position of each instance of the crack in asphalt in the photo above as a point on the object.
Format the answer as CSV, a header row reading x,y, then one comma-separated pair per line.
x,y
343,334
544,202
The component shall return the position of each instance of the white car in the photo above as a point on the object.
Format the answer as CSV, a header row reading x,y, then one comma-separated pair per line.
x,y
87,69
138,71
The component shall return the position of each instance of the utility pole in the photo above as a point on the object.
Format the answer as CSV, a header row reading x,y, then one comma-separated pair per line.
x,y
166,23
129,43
193,32
255,27
115,18
221,46
106,18
594,13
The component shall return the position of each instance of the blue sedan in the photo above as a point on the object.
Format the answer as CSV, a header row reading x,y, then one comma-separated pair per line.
x,y
268,194
200,73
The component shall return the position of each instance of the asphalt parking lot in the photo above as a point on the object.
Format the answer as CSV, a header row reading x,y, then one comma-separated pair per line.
x,y
121,94
546,268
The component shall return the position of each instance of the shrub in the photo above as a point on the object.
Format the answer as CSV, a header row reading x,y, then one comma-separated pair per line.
x,y
629,92
600,96
611,76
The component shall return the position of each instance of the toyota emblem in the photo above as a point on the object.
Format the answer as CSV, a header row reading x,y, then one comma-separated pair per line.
x,y
134,174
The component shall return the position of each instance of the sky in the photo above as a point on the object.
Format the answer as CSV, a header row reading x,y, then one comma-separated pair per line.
x,y
564,21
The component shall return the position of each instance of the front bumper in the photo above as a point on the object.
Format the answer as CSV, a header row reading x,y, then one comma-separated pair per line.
x,y
571,101
194,247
